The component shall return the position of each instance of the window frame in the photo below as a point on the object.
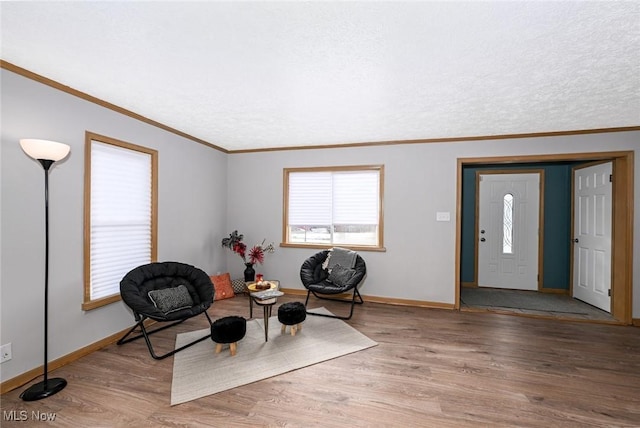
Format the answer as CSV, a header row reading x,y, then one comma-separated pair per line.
x,y
345,168
88,303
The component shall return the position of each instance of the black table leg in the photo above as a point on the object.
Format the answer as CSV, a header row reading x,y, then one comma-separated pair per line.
x,y
267,309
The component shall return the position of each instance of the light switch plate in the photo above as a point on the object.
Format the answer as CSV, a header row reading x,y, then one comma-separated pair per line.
x,y
443,216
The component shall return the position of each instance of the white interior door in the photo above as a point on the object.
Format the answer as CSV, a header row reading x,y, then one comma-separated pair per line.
x,y
508,225
592,235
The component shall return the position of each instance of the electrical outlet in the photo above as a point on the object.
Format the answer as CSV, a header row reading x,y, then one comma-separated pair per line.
x,y
5,352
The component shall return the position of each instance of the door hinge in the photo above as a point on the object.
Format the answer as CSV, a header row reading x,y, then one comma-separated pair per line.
x,y
609,292
610,178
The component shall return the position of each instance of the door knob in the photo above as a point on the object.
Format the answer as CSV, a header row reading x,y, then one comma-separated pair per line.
x,y
482,231
576,240
482,239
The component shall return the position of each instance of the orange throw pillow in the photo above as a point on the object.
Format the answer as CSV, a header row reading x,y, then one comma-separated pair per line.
x,y
222,285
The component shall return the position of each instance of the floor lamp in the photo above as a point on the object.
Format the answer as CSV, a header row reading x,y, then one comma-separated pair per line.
x,y
45,152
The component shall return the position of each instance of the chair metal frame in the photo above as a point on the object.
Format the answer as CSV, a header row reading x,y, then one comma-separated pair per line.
x,y
353,303
144,333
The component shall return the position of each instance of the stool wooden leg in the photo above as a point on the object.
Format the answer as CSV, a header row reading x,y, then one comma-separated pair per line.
x,y
299,326
218,348
293,330
233,347
283,329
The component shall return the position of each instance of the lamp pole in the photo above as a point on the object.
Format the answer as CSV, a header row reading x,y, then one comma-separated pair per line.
x,y
34,148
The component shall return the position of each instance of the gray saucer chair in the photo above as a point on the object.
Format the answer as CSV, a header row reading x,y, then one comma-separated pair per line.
x,y
165,292
322,283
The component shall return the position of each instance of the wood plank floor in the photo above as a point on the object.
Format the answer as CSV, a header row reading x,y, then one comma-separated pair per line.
x,y
432,368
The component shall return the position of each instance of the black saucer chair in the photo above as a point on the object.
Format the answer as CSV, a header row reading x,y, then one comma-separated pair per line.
x,y
165,292
319,282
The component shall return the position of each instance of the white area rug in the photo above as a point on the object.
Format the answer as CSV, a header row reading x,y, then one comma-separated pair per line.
x,y
198,371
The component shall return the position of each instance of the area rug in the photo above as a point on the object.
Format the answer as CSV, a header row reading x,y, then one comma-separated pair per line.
x,y
198,371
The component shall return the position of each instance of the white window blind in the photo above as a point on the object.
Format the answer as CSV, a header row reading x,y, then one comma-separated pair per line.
x,y
310,198
334,207
121,215
355,197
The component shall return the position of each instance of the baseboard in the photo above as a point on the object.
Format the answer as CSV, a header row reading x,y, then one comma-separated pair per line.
x,y
636,322
407,302
375,299
24,378
294,291
470,284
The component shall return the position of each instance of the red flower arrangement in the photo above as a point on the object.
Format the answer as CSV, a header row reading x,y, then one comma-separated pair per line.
x,y
256,253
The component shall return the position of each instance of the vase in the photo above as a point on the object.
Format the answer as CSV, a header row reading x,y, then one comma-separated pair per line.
x,y
249,272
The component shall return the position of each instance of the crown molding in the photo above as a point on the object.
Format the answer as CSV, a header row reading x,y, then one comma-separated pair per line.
x,y
49,82
57,85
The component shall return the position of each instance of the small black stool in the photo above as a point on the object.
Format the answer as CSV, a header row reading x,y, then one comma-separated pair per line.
x,y
228,330
292,313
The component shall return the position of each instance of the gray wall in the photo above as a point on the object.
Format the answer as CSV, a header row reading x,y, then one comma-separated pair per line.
x,y
203,196
420,180
191,214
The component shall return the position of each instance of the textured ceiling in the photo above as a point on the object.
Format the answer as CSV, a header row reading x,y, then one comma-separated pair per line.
x,y
247,75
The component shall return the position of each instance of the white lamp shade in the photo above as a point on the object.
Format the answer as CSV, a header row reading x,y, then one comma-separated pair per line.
x,y
44,149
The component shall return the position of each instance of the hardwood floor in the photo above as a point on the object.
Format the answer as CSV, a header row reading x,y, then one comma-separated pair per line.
x,y
432,368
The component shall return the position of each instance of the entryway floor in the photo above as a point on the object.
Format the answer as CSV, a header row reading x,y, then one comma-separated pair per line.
x,y
522,302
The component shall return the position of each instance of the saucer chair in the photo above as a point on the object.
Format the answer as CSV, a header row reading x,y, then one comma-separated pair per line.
x,y
321,283
165,292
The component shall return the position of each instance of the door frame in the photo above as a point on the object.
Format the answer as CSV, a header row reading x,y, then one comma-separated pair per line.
x,y
540,172
622,219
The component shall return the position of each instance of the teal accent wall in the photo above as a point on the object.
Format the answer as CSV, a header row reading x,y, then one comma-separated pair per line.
x,y
556,229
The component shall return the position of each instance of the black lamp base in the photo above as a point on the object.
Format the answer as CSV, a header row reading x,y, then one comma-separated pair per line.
x,y
41,390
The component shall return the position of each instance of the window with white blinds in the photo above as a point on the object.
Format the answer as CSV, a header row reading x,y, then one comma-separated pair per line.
x,y
334,206
120,211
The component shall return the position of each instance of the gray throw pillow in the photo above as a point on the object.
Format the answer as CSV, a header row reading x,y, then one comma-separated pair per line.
x,y
171,299
341,275
239,286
